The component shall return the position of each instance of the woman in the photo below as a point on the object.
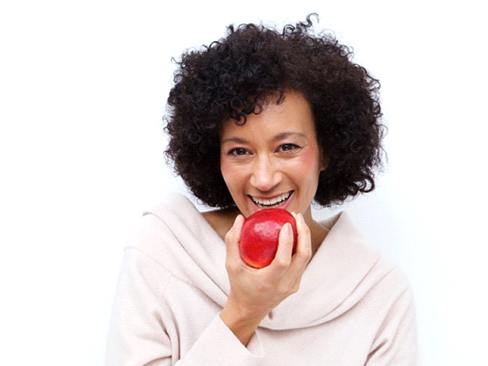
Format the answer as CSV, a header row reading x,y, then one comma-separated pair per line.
x,y
264,119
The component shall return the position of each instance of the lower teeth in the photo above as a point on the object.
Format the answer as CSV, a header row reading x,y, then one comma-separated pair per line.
x,y
276,204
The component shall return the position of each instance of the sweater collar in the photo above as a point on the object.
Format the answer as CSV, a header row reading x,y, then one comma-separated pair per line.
x,y
330,285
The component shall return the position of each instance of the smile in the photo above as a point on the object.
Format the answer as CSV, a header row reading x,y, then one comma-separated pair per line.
x,y
274,202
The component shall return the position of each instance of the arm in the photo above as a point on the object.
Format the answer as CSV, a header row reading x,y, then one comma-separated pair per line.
x,y
139,330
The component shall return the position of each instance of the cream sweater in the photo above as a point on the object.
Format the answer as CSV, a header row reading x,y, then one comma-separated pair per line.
x,y
353,307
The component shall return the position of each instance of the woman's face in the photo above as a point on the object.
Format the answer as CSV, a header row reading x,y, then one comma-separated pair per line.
x,y
257,159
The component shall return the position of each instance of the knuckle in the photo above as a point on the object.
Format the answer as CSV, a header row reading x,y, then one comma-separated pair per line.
x,y
228,267
306,254
282,263
231,266
287,290
283,290
295,286
228,236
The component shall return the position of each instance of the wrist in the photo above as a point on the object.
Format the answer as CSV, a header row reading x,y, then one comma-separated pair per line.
x,y
242,325
240,313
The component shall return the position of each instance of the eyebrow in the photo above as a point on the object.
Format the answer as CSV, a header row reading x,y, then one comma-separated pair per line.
x,y
280,136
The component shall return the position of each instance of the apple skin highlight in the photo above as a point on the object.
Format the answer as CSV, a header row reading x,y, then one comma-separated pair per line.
x,y
260,236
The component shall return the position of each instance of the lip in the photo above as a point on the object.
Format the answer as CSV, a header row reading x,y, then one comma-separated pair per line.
x,y
284,205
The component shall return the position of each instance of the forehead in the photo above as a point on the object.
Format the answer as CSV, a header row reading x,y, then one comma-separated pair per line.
x,y
294,114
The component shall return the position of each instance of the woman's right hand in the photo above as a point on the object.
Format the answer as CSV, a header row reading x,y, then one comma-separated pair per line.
x,y
255,292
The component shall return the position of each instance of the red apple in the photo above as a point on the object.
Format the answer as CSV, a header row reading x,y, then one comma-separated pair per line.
x,y
260,236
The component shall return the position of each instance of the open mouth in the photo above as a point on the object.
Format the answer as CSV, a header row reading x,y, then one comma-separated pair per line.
x,y
281,202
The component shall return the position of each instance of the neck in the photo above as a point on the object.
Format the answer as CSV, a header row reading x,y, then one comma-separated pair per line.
x,y
318,234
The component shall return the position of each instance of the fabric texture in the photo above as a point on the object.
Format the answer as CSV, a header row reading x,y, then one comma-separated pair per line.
x,y
353,306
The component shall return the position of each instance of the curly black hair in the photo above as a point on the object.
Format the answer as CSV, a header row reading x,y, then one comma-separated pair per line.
x,y
233,77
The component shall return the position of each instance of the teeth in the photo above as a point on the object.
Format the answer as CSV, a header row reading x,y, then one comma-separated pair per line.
x,y
273,201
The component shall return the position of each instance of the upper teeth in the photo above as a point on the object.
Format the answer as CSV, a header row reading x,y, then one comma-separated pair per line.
x,y
273,201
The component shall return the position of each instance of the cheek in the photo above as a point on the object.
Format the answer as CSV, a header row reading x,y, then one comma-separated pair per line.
x,y
307,162
230,172
225,167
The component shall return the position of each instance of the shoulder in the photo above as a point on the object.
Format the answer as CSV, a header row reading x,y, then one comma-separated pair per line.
x,y
171,204
173,219
391,289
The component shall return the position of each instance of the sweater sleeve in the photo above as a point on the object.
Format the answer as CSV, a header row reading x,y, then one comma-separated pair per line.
x,y
138,335
218,346
396,341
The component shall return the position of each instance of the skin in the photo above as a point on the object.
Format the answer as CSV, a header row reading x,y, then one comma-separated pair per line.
x,y
262,167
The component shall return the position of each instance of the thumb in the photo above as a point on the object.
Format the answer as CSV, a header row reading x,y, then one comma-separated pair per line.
x,y
232,239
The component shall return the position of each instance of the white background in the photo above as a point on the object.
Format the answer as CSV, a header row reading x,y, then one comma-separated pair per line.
x,y
83,88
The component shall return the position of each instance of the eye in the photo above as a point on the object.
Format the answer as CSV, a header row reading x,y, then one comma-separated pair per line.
x,y
292,147
237,149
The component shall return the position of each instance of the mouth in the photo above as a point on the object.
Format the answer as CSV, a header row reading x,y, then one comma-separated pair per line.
x,y
282,203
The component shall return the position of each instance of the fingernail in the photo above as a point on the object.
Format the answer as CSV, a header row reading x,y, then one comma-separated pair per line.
x,y
287,228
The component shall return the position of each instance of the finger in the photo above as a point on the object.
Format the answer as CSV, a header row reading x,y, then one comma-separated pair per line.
x,y
282,258
303,252
232,240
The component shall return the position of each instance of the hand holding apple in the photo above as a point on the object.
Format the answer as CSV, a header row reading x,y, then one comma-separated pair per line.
x,y
255,292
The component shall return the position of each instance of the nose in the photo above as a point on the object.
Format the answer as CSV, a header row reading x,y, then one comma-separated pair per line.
x,y
264,176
